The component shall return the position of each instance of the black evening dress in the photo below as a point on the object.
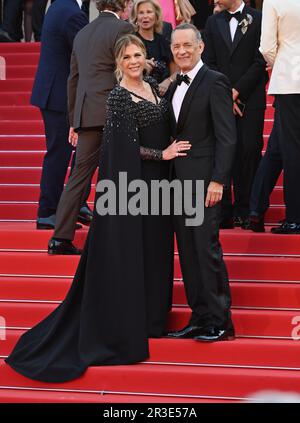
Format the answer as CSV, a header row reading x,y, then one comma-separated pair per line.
x,y
159,50
121,292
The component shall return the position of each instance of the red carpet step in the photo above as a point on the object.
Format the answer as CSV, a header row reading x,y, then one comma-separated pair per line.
x,y
13,59
24,236
19,48
12,192
240,268
23,142
15,71
266,353
21,127
15,99
18,84
202,382
19,113
28,211
252,295
253,323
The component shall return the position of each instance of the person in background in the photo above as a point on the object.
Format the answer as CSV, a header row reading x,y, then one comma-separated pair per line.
x,y
217,7
90,82
232,40
203,10
184,11
146,16
267,174
11,29
33,12
62,22
280,46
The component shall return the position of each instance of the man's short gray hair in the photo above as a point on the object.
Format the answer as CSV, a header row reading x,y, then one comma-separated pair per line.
x,y
184,26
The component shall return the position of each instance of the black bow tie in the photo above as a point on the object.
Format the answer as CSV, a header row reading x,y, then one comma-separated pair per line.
x,y
238,16
182,78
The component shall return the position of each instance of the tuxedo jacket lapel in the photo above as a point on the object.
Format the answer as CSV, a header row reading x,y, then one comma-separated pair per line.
x,y
189,96
238,34
172,90
225,30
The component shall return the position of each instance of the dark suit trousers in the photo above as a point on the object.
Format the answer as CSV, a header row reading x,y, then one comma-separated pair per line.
x,y
56,161
289,113
248,155
38,13
86,162
12,18
203,269
267,173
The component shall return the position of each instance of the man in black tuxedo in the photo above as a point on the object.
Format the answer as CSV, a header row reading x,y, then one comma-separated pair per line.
x,y
232,39
62,22
203,10
202,114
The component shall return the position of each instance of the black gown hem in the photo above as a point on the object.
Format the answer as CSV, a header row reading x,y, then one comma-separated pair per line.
x,y
73,376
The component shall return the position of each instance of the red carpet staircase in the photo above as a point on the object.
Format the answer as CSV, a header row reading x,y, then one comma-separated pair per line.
x,y
264,272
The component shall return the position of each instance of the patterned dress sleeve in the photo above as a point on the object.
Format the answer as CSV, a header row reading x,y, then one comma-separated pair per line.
x,y
121,117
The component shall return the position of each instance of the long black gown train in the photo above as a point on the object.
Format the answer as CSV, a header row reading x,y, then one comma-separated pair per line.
x,y
121,292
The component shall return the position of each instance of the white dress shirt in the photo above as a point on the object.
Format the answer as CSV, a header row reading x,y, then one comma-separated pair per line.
x,y
233,24
79,3
110,11
181,90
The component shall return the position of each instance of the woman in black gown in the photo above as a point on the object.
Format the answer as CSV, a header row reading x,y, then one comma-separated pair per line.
x,y
121,292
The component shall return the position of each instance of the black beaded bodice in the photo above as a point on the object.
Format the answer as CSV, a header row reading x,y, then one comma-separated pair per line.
x,y
133,116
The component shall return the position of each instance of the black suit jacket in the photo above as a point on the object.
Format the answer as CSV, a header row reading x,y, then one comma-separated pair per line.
x,y
207,121
92,70
239,60
167,31
62,22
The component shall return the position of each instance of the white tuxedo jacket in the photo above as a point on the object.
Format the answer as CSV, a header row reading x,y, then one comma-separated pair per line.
x,y
280,44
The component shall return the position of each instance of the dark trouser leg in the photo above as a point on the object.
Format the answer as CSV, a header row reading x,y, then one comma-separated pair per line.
x,y
267,173
88,189
12,18
38,13
249,147
56,161
289,112
203,270
87,159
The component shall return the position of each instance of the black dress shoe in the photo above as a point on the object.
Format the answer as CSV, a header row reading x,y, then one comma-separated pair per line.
x,y
62,248
49,223
214,335
257,223
5,37
85,215
245,223
186,333
287,228
238,221
227,223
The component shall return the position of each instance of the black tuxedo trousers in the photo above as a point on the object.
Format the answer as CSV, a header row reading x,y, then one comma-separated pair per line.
x,y
289,138
247,159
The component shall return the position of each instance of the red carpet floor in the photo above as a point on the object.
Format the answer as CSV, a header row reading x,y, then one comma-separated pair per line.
x,y
264,272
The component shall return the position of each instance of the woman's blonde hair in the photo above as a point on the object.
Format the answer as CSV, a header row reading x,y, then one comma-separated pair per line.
x,y
158,14
121,45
